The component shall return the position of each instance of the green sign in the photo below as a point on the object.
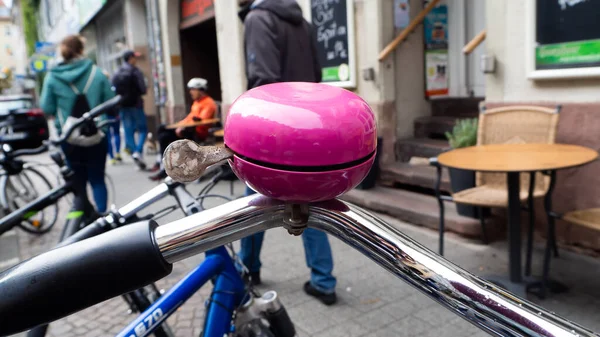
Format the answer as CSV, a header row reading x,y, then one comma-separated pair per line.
x,y
334,74
568,55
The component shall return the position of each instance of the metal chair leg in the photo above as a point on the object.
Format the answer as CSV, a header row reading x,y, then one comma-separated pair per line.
x,y
441,227
482,222
530,231
440,201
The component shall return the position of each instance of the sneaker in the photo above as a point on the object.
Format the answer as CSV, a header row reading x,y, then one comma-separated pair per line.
x,y
118,157
327,299
128,151
138,160
252,278
113,161
162,174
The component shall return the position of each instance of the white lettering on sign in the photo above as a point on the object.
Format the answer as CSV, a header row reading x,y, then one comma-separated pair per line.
x,y
325,34
563,3
340,49
323,16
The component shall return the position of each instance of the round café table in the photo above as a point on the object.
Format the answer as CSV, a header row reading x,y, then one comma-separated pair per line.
x,y
514,159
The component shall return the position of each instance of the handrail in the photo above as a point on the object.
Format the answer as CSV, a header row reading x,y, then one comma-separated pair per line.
x,y
476,41
409,29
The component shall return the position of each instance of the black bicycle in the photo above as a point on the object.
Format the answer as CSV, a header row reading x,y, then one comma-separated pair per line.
x,y
82,211
20,183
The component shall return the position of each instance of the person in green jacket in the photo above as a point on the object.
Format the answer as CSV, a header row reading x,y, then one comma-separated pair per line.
x,y
58,98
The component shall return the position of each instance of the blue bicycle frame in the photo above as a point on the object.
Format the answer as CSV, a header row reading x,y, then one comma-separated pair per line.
x,y
228,293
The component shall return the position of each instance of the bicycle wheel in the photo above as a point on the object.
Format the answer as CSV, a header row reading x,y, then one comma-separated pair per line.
x,y
142,299
25,187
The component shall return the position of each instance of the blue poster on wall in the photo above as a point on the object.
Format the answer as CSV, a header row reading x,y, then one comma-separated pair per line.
x,y
436,28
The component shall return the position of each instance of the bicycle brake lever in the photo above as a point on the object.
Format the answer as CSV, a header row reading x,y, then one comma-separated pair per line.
x,y
186,161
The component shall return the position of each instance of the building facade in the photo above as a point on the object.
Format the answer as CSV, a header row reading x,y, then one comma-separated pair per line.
x,y
417,90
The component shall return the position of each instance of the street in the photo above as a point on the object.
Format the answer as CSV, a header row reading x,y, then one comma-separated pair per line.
x,y
371,301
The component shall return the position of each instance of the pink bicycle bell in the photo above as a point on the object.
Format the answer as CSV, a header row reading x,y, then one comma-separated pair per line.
x,y
301,142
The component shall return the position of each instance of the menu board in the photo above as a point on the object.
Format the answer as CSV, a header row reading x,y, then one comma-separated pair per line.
x,y
333,21
567,34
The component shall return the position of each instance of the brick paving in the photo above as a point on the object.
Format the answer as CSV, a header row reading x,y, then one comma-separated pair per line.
x,y
371,301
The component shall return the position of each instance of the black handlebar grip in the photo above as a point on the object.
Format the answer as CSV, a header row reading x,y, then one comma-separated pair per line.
x,y
71,278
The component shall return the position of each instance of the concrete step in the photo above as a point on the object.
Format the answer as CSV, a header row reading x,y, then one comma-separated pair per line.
x,y
419,175
456,107
434,126
421,210
420,147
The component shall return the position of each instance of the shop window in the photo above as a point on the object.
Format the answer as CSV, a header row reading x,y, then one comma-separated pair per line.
x,y
563,39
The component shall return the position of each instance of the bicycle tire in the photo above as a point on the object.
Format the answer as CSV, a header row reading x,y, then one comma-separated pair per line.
x,y
45,226
142,302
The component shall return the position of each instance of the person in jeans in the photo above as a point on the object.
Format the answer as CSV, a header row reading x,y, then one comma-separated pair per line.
x,y
280,47
74,75
113,135
203,108
129,83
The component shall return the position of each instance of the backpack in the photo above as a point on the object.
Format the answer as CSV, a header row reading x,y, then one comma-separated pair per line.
x,y
126,86
87,134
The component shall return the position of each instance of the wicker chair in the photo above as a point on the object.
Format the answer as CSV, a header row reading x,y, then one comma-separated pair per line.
x,y
513,124
589,218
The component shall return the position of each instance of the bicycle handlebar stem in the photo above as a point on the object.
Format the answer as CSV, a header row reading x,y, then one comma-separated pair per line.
x,y
482,303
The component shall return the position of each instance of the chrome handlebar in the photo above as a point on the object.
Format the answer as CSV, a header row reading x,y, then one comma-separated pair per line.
x,y
480,302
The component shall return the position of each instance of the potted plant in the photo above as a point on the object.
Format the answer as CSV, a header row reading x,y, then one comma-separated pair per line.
x,y
463,134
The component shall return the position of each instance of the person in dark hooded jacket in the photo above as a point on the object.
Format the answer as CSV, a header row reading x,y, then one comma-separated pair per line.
x,y
279,46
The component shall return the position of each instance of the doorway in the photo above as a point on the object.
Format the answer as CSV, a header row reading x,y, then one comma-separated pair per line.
x,y
200,58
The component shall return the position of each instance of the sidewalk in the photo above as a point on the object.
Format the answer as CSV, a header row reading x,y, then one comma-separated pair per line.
x,y
372,302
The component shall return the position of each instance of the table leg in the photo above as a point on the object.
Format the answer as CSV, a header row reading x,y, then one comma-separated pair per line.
x,y
514,283
540,287
514,226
